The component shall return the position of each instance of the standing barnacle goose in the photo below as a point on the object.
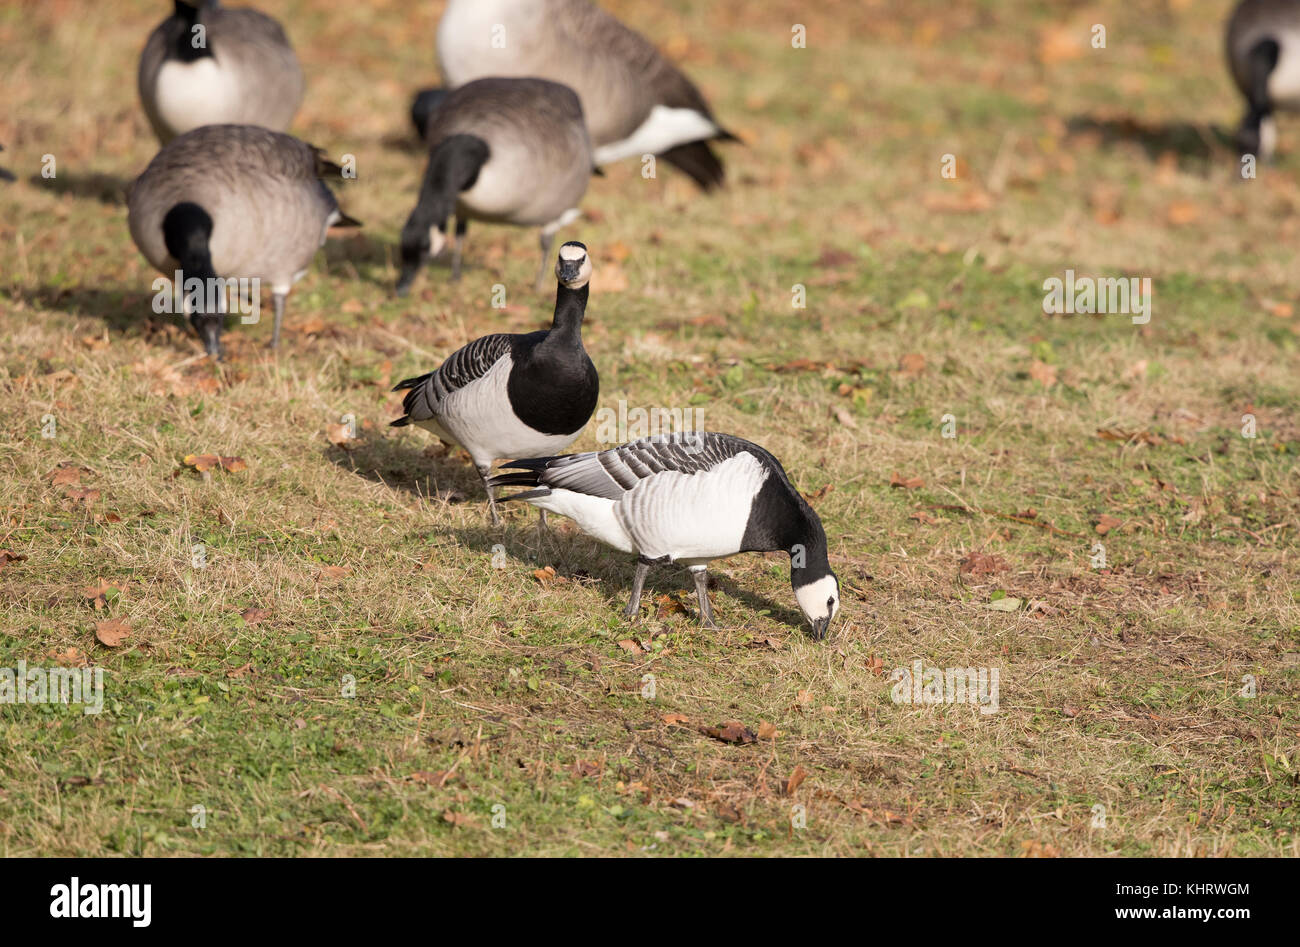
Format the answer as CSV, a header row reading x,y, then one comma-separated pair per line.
x,y
1263,46
234,201
688,498
636,102
514,395
206,65
509,151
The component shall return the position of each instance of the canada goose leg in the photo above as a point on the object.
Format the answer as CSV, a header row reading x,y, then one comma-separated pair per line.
x,y
638,583
462,225
483,473
701,576
548,239
277,300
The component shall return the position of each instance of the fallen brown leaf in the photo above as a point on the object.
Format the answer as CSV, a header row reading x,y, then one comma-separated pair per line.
x,y
796,780
113,632
1106,524
731,731
909,483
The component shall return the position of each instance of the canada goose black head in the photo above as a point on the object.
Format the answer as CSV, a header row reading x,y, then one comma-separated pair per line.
x,y
187,228
453,167
573,268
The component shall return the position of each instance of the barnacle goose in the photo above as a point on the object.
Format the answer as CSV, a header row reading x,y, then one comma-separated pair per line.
x,y
1263,46
234,201
509,151
635,101
207,65
514,395
688,497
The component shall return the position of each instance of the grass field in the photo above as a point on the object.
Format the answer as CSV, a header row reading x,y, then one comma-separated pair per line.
x,y
1160,686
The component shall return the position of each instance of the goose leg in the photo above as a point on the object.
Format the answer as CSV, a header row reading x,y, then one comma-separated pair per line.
x,y
638,583
278,300
701,576
548,240
458,249
483,473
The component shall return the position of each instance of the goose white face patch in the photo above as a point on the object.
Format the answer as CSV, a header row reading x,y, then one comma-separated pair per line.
x,y
571,254
819,600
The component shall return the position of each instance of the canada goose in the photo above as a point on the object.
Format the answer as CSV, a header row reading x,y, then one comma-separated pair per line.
x,y
688,497
207,65
635,101
1263,45
502,150
234,201
514,395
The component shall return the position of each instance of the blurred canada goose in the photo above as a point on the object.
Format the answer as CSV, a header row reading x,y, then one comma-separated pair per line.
x,y
509,151
689,497
424,104
514,395
234,201
206,65
635,101
5,175
1263,45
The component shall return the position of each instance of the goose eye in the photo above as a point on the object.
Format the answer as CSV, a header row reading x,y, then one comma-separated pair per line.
x,y
830,603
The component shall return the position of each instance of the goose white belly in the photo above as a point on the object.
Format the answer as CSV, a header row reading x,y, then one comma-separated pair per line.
x,y
689,518
466,34
1284,81
698,516
664,128
202,92
480,419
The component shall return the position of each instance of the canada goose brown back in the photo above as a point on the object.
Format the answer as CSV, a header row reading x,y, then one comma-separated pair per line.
x,y
512,151
266,205
634,99
208,65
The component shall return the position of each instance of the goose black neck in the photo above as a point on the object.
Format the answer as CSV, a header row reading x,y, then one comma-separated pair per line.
x,y
185,45
815,556
570,307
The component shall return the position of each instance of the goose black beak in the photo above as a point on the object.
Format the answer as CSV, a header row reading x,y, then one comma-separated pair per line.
x,y
819,628
405,280
569,270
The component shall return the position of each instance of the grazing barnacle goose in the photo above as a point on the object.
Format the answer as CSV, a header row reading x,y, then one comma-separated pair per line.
x,y
687,498
1263,45
635,101
234,201
511,151
206,65
514,395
